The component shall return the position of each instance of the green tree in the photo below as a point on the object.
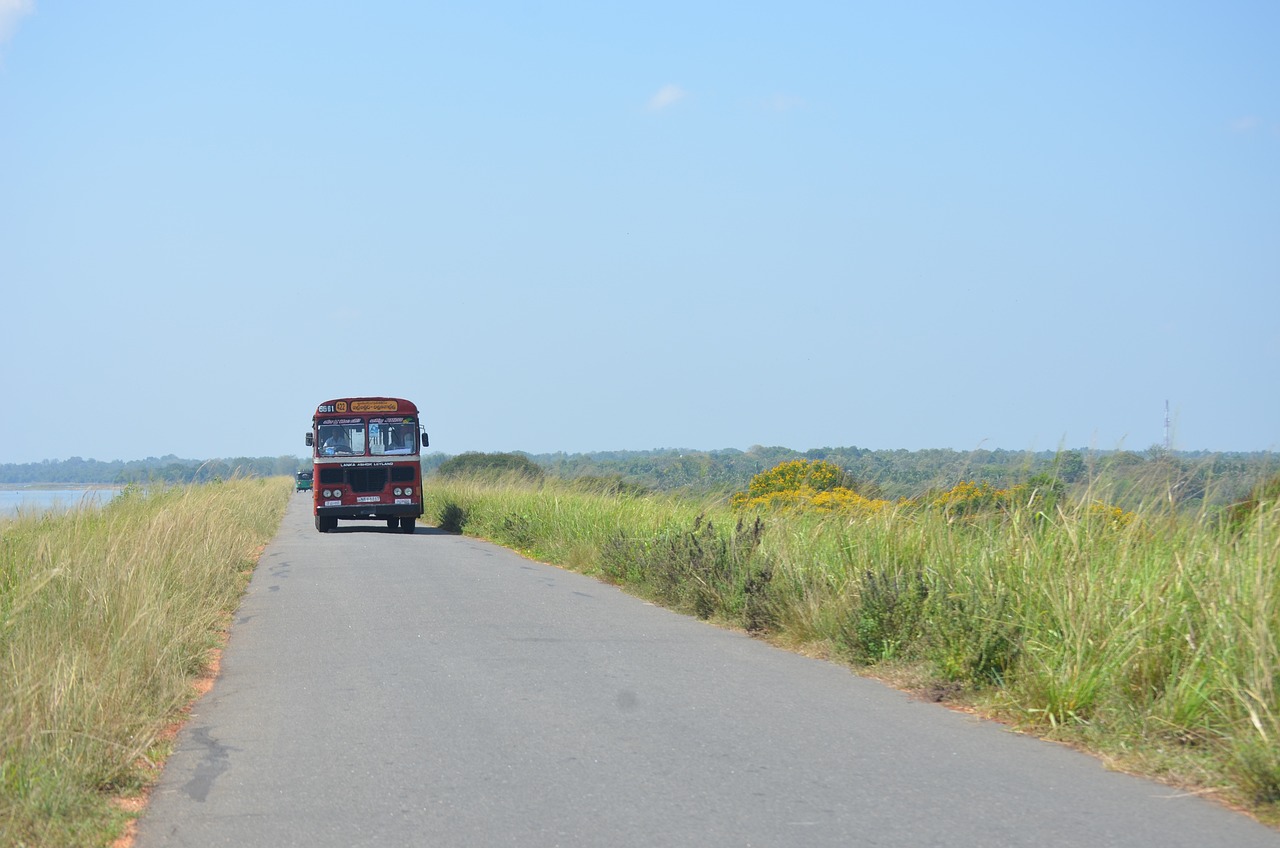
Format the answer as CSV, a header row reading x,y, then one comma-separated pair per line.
x,y
1070,466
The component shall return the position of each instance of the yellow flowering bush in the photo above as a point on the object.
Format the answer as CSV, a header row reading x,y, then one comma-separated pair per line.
x,y
1112,516
819,486
818,475
805,485
967,497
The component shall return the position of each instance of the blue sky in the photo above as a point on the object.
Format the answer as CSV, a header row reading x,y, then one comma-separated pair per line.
x,y
581,226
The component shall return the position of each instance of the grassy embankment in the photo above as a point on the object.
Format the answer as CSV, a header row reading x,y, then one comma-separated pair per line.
x,y
1151,639
107,617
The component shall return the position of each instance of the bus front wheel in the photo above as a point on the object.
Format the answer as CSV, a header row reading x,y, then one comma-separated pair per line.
x,y
406,524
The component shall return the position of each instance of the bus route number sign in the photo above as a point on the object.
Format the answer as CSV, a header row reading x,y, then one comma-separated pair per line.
x,y
374,406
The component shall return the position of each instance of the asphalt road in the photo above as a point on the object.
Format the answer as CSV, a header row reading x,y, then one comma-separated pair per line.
x,y
432,690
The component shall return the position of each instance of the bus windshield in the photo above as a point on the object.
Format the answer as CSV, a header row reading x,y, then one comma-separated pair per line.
x,y
387,435
392,435
341,437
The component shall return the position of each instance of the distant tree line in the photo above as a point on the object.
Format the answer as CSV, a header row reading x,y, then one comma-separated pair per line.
x,y
1129,478
166,469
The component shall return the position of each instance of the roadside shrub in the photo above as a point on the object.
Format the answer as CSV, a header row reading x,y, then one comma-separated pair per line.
x,y
452,517
974,637
886,615
1257,766
702,570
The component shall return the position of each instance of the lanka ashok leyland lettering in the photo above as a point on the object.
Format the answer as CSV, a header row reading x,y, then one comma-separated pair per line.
x,y
367,462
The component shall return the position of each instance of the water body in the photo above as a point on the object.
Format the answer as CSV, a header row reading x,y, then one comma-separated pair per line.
x,y
32,501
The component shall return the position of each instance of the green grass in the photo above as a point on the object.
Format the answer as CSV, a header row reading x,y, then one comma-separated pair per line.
x,y
107,615
1154,642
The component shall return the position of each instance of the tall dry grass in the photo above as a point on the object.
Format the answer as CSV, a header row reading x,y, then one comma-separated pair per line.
x,y
106,617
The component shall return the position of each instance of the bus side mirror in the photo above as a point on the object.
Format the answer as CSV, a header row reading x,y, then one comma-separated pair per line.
x,y
310,440
426,443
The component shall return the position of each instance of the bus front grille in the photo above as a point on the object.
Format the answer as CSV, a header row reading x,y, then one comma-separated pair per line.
x,y
367,479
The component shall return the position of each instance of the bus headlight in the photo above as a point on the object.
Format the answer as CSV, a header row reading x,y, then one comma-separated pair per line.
x,y
408,490
398,491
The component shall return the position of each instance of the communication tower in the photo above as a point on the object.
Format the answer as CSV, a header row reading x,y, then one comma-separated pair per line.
x,y
1168,442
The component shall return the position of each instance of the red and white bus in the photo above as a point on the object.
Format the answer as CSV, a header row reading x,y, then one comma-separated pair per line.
x,y
367,462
